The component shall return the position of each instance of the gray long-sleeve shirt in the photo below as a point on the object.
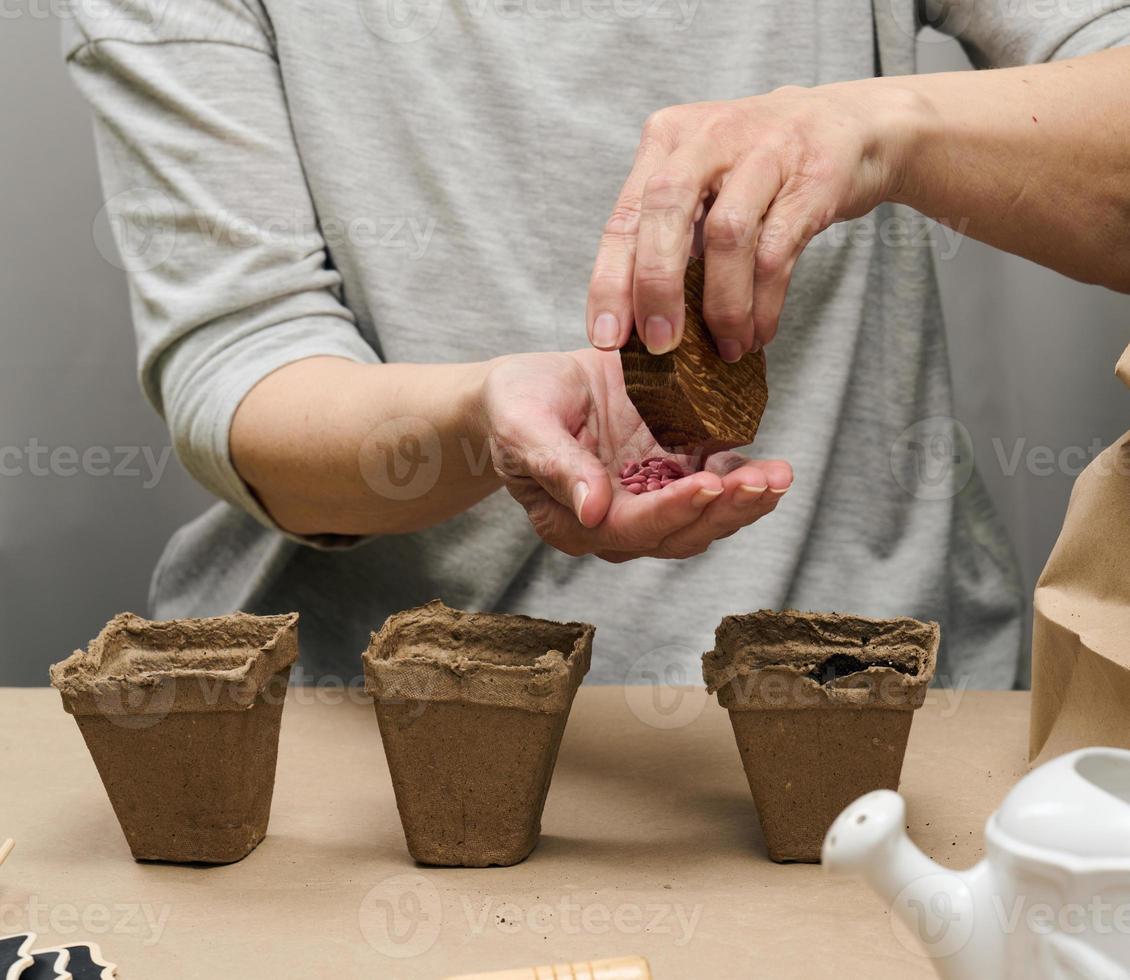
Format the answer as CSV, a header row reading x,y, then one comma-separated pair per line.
x,y
427,181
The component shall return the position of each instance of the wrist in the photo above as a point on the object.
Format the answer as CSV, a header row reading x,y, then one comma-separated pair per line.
x,y
435,403
901,122
909,123
472,400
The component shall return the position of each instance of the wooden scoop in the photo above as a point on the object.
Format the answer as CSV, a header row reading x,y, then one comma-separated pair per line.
x,y
690,399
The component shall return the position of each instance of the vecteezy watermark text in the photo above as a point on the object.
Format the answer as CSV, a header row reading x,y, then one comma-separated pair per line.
x,y
933,458
140,229
145,463
403,916
143,920
571,917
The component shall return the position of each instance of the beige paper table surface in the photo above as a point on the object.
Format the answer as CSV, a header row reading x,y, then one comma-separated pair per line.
x,y
650,845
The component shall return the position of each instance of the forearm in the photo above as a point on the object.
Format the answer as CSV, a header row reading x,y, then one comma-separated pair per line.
x,y
331,446
1033,160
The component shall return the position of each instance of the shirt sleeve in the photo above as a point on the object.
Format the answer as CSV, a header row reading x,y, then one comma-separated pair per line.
x,y
998,34
208,207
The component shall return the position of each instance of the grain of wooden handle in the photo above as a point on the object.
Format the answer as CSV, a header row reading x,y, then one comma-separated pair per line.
x,y
689,398
622,968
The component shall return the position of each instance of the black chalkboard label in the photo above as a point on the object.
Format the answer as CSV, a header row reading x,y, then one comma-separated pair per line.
x,y
87,963
14,956
47,964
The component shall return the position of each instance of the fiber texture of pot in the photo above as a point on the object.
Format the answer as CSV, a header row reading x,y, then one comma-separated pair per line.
x,y
471,708
182,720
821,706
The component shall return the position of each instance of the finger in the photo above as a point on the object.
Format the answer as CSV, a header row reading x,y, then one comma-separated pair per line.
x,y
788,226
635,526
725,516
730,243
750,492
671,198
575,478
736,470
554,523
747,498
609,310
545,452
640,522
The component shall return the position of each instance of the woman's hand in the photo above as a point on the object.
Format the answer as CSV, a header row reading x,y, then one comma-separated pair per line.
x,y
554,428
560,428
763,175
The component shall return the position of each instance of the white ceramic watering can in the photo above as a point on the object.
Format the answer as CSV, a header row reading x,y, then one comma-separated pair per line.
x,y
1050,900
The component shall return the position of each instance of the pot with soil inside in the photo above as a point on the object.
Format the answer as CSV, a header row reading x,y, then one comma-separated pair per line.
x,y
471,708
821,706
182,721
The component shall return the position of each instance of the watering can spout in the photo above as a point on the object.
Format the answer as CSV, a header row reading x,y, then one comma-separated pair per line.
x,y
936,904
1047,900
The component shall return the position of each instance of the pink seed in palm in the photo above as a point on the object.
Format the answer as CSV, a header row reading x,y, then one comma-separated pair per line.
x,y
653,473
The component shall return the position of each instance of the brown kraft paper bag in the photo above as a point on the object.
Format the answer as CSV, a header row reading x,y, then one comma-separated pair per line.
x,y
1081,632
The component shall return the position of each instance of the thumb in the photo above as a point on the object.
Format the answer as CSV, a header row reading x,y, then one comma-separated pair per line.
x,y
550,455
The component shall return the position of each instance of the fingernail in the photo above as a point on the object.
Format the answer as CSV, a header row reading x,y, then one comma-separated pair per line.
x,y
730,350
606,331
704,496
755,346
658,334
751,491
580,494
780,491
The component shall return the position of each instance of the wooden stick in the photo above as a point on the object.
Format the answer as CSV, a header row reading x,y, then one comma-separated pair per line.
x,y
6,849
622,968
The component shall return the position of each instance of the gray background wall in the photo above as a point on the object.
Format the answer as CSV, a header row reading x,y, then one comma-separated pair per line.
x,y
1033,358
